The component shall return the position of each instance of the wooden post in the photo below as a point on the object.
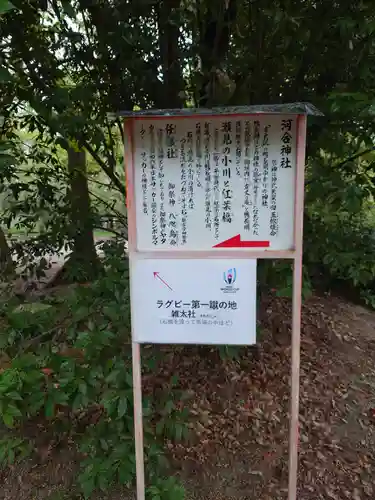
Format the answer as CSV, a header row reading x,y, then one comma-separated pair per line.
x,y
136,348
138,423
296,312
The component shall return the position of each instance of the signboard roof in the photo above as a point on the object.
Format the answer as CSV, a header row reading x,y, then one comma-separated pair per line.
x,y
294,108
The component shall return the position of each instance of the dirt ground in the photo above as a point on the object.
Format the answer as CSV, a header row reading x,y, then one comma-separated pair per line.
x,y
239,421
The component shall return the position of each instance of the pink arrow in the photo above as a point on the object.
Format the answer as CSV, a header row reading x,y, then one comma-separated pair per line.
x,y
236,242
156,275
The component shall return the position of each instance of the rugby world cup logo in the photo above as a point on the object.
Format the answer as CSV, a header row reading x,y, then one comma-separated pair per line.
x,y
230,276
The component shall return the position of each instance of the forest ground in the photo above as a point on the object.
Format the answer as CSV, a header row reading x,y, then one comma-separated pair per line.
x,y
239,415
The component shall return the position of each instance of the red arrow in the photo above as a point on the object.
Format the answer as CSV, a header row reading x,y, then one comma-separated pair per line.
x,y
156,275
236,242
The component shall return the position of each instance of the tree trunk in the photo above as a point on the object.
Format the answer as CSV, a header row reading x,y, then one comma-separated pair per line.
x,y
84,264
7,266
215,31
6,263
170,56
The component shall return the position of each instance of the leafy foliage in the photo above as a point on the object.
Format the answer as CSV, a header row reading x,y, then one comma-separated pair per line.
x,y
76,64
64,96
166,489
81,374
13,449
5,6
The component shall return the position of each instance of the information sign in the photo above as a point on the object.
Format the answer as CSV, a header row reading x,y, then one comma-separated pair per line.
x,y
203,183
209,192
194,301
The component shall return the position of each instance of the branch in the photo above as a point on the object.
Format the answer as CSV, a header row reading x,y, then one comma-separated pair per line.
x,y
120,127
355,156
111,174
342,163
122,217
116,233
90,179
111,154
107,169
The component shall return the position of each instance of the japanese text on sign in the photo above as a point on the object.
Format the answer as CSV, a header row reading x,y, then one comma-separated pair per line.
x,y
194,301
201,181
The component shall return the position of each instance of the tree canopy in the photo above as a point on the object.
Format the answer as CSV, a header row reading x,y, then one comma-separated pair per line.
x,y
67,68
78,63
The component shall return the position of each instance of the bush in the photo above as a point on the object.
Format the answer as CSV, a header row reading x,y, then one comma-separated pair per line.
x,y
73,369
339,249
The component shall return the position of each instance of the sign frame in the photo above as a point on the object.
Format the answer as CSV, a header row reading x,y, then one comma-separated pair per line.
x,y
300,110
223,314
233,234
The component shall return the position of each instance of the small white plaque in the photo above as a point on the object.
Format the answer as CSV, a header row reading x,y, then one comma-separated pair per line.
x,y
193,301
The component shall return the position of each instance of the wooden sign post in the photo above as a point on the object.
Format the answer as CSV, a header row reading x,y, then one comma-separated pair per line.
x,y
208,193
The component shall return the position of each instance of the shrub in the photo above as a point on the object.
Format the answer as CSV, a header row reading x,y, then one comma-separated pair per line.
x,y
76,372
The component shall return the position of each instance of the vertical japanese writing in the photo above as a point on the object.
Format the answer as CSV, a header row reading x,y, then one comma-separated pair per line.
x,y
274,218
286,139
198,181
256,179
183,191
216,185
207,175
226,160
246,175
265,154
173,234
171,194
198,153
190,171
238,147
170,131
144,172
152,160
162,212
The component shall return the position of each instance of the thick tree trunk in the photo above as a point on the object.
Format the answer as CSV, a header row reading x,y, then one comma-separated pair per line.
x,y
215,29
84,264
7,267
84,256
170,56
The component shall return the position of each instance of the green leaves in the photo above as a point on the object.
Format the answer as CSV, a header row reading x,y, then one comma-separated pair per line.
x,y
78,373
8,419
122,406
7,155
13,449
5,6
9,412
172,421
165,489
5,75
10,386
102,468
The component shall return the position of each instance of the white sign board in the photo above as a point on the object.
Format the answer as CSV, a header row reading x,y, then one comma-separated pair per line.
x,y
206,183
193,301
